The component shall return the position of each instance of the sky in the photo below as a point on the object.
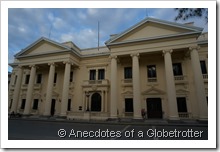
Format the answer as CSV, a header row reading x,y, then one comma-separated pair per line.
x,y
79,25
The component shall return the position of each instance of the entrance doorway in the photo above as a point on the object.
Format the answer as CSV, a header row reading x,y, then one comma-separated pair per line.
x,y
154,108
96,102
52,109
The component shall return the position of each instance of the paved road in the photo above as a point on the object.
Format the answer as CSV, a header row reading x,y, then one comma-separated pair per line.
x,y
21,129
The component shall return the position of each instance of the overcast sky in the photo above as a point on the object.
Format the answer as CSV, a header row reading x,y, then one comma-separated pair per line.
x,y
78,25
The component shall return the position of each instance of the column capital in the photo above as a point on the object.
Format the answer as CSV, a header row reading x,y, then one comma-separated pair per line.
x,y
51,63
33,65
113,57
135,54
195,47
167,51
20,66
68,62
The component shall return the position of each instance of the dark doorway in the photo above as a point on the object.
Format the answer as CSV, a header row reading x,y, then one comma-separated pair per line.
x,y
129,105
52,109
96,102
154,108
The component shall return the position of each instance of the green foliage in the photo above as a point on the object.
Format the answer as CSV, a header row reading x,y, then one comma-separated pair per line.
x,y
186,13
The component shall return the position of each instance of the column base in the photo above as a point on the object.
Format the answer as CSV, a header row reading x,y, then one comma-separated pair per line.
x,y
113,117
174,118
62,115
137,117
203,118
46,114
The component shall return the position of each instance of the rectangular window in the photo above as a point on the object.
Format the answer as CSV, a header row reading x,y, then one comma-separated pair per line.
x,y
55,78
10,103
92,75
181,104
15,79
27,78
71,76
101,74
69,105
128,73
39,78
203,67
23,103
177,69
129,105
207,100
151,71
35,104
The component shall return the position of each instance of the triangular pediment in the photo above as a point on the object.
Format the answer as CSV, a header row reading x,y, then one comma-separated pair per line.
x,y
153,91
150,28
42,46
183,91
127,92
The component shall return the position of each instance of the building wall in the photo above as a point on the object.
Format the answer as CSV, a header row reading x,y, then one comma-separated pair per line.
x,y
81,89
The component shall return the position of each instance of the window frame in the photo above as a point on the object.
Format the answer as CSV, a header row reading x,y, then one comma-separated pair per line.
x,y
154,75
179,71
127,72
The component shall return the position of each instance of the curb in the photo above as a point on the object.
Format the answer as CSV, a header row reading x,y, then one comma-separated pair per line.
x,y
116,122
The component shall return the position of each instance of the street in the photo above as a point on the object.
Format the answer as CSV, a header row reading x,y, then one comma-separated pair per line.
x,y
21,129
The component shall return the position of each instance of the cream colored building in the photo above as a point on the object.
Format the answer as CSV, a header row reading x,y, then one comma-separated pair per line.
x,y
155,66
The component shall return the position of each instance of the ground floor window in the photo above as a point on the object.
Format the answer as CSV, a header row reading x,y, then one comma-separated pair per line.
x,y
10,103
23,103
35,104
69,105
181,104
129,105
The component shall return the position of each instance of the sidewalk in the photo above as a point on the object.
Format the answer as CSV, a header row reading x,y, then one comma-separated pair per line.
x,y
124,121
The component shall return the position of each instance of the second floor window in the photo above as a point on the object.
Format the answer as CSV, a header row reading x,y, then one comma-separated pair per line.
x,y
151,71
15,79
39,78
177,69
55,78
92,75
71,76
128,73
203,67
27,78
101,74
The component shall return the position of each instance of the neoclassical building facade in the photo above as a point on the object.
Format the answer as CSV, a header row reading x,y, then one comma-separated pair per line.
x,y
157,67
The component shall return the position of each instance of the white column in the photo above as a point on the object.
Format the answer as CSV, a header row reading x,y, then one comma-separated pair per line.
x,y
106,100
65,94
17,90
136,86
83,104
49,89
114,96
11,81
9,87
30,90
199,83
170,84
102,104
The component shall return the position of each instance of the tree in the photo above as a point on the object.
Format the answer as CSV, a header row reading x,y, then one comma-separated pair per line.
x,y
186,13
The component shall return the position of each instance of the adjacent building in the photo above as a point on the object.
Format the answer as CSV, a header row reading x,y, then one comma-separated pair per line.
x,y
157,67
